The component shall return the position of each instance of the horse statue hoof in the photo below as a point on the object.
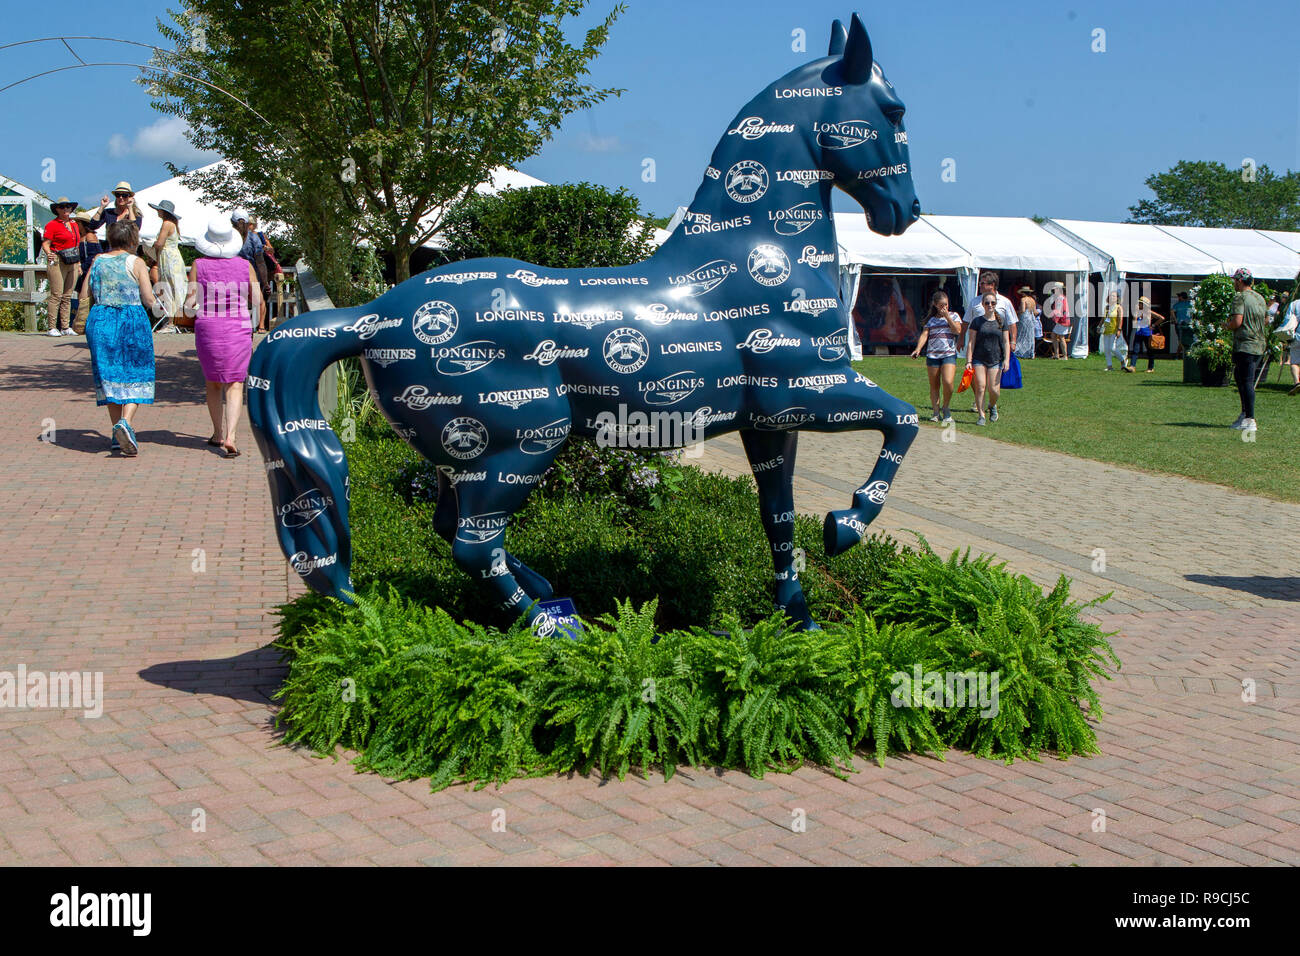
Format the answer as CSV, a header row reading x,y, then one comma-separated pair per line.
x,y
841,531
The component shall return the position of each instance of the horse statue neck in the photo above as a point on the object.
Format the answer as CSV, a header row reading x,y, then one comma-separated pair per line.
x,y
764,184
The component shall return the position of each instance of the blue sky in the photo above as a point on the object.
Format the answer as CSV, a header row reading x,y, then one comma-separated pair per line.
x,y
1036,121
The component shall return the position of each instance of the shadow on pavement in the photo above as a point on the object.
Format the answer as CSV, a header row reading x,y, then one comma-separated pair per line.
x,y
1278,589
253,676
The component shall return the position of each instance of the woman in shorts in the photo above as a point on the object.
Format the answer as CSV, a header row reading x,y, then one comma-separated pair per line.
x,y
988,352
939,339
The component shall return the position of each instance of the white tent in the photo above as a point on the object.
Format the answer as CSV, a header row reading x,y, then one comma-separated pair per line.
x,y
1264,257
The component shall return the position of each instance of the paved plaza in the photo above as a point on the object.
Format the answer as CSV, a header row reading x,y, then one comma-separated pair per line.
x,y
162,572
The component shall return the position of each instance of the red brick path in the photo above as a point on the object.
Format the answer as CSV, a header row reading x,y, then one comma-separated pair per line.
x,y
99,562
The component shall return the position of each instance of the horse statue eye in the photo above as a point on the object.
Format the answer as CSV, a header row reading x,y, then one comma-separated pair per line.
x,y
894,114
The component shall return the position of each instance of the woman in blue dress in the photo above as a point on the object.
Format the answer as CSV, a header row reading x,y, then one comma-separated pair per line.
x,y
119,334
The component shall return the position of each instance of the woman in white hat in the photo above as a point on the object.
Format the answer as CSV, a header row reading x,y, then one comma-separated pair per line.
x,y
224,295
1057,311
171,267
1144,323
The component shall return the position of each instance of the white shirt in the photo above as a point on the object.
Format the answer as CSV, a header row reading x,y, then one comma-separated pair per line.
x,y
1005,310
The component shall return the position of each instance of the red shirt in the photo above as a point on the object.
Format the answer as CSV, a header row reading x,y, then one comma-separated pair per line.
x,y
62,235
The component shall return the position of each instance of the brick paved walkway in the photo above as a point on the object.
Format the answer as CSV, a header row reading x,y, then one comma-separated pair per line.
x,y
100,565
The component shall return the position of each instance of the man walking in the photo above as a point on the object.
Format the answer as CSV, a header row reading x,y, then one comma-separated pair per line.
x,y
1248,322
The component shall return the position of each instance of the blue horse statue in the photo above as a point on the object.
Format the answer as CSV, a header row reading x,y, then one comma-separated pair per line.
x,y
487,366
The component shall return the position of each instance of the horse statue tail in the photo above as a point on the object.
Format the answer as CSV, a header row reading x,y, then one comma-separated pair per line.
x,y
303,457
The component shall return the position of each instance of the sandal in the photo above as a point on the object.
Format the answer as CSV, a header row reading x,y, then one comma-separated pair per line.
x,y
214,443
231,451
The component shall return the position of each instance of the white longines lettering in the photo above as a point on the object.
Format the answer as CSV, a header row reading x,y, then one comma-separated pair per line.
x,y
305,564
513,397
795,219
804,177
761,466
548,353
698,223
893,456
303,424
880,172
818,383
812,256
875,492
510,478
670,389
656,313
302,332
738,312
682,348
368,326
386,357
811,306
510,315
756,381
753,127
763,340
261,384
802,92
418,398
304,509
831,348
459,278
583,388
705,278
530,278
588,320
478,529
784,419
541,439
615,280
857,415
843,135
466,358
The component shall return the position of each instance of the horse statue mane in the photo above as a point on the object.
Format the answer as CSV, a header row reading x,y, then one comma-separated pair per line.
x,y
486,367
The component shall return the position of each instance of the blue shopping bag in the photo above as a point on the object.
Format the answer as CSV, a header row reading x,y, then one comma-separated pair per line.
x,y
1011,377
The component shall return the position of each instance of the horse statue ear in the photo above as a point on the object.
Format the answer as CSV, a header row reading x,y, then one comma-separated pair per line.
x,y
839,36
857,53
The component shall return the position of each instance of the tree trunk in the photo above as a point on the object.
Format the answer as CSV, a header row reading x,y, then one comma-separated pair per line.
x,y
402,262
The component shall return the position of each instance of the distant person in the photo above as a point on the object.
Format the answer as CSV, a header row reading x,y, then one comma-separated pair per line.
x,y
1183,323
1056,313
1248,322
171,265
62,265
988,352
1112,333
1144,324
939,338
88,248
988,284
124,208
224,294
1290,328
1028,329
254,250
119,334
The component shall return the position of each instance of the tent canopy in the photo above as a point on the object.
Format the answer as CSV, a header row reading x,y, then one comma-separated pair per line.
x,y
1137,248
1010,243
1265,258
921,247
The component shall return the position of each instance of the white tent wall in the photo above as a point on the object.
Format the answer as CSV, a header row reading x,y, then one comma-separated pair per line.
x,y
850,278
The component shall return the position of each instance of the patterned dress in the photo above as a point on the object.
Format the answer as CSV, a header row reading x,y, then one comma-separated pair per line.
x,y
119,335
172,273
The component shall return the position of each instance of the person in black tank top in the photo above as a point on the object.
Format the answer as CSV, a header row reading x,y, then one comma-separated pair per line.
x,y
988,351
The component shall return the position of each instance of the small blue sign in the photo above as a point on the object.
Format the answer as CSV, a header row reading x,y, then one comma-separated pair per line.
x,y
565,615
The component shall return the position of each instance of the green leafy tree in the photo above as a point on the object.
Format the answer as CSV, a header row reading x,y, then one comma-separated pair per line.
x,y
561,227
363,119
1211,194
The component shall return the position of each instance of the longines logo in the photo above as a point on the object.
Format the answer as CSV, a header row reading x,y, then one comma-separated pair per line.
x,y
435,322
810,306
792,221
368,326
626,350
803,92
875,492
831,348
304,564
540,440
769,265
464,438
818,383
510,315
261,384
880,172
614,280
738,312
811,256
702,222
467,357
747,181
417,398
753,127
843,135
513,397
656,313
530,278
762,341
803,177
705,278
712,173
547,353
459,278
670,389
588,320
479,529
386,357
304,509
786,418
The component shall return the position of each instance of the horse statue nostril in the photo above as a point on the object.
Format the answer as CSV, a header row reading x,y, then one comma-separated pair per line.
x,y
916,209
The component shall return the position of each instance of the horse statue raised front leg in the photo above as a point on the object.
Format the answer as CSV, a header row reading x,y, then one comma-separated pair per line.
x,y
486,367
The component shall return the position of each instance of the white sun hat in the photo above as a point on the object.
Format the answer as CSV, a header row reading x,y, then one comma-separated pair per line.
x,y
220,241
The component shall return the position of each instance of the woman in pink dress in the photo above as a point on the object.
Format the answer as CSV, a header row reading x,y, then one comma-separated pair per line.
x,y
223,296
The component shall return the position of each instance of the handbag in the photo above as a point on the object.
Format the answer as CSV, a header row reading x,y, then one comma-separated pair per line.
x,y
69,257
1011,377
967,377
1157,341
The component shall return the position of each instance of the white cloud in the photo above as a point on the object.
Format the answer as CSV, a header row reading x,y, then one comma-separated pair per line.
x,y
163,140
590,143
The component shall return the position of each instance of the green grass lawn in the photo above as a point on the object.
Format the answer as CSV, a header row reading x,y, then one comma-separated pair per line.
x,y
1151,422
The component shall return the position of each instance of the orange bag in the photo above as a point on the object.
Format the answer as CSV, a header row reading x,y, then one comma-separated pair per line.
x,y
966,378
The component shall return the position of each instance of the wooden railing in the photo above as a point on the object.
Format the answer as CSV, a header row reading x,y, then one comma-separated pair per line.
x,y
19,283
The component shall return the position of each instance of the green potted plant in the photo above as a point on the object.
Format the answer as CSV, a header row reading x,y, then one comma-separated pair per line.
x,y
1211,300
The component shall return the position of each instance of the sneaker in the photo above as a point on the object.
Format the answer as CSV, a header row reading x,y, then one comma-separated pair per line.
x,y
1129,368
982,421
1249,425
973,408
54,332
1294,391
993,414
69,332
1107,369
1239,423
947,419
114,445
126,436
934,417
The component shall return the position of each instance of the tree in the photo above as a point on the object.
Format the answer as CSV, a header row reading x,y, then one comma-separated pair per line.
x,y
561,227
365,118
1211,194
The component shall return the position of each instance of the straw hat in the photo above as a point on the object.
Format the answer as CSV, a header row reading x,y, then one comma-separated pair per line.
x,y
62,201
220,241
123,187
84,216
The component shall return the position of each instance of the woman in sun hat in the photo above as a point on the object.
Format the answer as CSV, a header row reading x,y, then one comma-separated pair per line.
x,y
87,249
224,294
1028,328
1144,323
171,267
124,208
121,342
62,265
1057,311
